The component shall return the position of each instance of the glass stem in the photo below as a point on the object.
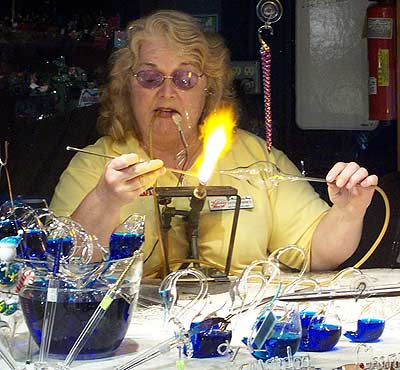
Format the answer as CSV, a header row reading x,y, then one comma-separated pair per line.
x,y
91,325
48,319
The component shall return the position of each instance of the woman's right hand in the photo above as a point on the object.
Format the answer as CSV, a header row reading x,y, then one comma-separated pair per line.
x,y
126,177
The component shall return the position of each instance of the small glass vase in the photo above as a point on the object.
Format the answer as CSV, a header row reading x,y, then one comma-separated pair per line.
x,y
274,331
127,237
370,323
321,329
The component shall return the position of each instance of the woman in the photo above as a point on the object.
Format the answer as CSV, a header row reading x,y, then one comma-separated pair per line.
x,y
162,85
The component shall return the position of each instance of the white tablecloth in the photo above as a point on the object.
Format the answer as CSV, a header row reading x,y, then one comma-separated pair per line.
x,y
146,330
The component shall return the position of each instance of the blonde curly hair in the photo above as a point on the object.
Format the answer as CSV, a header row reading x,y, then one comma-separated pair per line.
x,y
180,30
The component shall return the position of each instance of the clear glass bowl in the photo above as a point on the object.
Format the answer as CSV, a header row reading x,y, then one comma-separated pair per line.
x,y
77,299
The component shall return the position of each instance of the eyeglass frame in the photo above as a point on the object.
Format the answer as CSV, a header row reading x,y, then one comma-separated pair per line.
x,y
167,77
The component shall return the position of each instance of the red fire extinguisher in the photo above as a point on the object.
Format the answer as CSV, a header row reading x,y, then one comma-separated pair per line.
x,y
382,60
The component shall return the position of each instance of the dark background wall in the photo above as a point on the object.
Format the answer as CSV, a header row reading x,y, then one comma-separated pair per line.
x,y
314,151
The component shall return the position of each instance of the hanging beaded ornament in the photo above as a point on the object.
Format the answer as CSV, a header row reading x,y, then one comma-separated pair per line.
x,y
268,11
266,76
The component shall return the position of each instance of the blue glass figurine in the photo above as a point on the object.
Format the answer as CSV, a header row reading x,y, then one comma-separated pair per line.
x,y
368,330
274,331
320,330
127,237
370,324
206,342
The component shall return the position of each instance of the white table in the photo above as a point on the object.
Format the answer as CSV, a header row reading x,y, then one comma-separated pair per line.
x,y
146,331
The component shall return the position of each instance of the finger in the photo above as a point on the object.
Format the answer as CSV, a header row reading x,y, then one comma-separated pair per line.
x,y
357,177
371,180
334,171
124,161
347,171
144,181
334,190
142,168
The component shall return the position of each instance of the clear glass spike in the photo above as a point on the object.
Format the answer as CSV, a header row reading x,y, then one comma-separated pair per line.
x,y
264,174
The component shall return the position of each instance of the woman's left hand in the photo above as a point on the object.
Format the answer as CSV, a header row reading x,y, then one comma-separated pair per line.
x,y
350,187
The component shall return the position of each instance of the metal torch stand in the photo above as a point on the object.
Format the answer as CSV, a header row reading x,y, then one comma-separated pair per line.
x,y
165,212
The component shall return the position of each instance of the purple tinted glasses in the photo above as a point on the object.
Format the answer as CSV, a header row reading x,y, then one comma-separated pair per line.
x,y
183,80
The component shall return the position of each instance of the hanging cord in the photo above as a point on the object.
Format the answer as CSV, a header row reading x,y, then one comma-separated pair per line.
x,y
382,232
373,247
265,53
4,164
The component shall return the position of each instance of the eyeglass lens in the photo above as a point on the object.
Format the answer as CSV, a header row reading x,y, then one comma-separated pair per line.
x,y
182,79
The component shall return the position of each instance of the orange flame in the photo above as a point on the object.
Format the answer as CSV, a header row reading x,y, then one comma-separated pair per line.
x,y
217,137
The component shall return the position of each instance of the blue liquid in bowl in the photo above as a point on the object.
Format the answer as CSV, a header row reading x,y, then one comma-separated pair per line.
x,y
276,346
321,337
205,343
367,330
123,245
73,310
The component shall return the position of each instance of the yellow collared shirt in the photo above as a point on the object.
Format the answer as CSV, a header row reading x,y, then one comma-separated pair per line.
x,y
282,215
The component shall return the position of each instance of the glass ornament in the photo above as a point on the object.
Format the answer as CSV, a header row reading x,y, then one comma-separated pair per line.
x,y
264,175
276,329
127,237
75,306
9,272
206,342
179,317
321,329
370,323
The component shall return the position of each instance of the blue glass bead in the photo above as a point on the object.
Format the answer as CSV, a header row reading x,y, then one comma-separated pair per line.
x,y
8,308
